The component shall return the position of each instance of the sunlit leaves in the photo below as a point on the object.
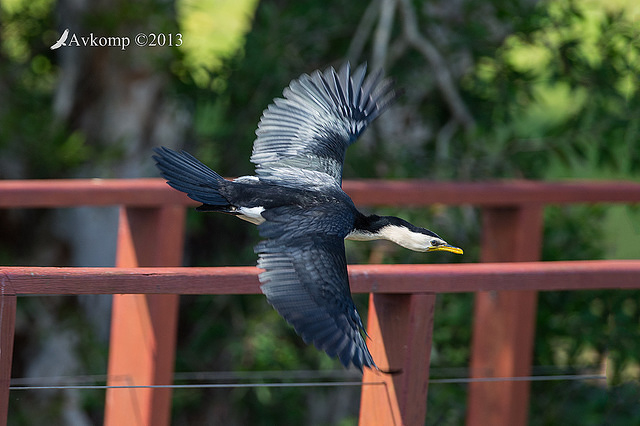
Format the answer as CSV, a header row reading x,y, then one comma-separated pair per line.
x,y
213,31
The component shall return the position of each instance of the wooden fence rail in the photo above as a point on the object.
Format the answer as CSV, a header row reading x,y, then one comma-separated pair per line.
x,y
377,279
154,192
401,302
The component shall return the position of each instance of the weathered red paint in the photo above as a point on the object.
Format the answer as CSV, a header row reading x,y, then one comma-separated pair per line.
x,y
379,279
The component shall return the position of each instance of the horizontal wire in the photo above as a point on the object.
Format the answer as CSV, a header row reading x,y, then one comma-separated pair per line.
x,y
436,374
564,377
203,386
567,377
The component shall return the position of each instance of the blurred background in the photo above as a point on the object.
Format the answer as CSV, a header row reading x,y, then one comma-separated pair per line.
x,y
493,89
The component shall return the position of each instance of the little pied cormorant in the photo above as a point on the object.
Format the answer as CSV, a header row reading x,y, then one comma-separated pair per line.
x,y
302,213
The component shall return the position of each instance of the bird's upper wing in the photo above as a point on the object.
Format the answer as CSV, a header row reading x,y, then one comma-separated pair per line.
x,y
319,117
305,280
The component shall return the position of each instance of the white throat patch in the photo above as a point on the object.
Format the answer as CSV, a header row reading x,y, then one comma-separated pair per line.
x,y
398,234
406,238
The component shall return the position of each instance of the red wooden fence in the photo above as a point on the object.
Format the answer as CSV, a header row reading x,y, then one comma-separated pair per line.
x,y
401,302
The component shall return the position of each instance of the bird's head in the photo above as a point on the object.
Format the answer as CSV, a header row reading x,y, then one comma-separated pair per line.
x,y
413,237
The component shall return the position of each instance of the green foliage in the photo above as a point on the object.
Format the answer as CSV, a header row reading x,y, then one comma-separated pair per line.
x,y
28,78
209,43
567,88
573,233
446,404
590,405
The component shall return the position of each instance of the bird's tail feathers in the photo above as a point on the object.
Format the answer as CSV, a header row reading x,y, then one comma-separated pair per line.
x,y
187,174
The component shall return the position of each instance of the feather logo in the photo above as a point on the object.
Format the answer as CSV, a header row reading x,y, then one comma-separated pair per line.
x,y
62,41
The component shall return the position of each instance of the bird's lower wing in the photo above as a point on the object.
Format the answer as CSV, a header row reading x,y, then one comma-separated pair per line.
x,y
305,280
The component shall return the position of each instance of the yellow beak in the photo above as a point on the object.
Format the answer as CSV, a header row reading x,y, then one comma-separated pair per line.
x,y
447,247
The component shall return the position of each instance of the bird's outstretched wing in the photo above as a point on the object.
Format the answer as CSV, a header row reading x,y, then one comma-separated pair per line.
x,y
305,280
319,117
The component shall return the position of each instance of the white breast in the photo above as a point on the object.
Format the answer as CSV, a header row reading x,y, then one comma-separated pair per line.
x,y
251,214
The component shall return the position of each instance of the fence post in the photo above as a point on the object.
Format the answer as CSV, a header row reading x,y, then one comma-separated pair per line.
x,y
143,327
504,321
7,331
400,326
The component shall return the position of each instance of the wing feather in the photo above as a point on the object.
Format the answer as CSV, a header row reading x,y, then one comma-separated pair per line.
x,y
318,118
305,279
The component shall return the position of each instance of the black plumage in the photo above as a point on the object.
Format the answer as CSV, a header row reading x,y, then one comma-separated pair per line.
x,y
297,202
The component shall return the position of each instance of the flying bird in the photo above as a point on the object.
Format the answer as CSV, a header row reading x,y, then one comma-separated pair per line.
x,y
297,201
61,41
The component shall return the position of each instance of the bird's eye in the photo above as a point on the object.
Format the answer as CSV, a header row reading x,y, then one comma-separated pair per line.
x,y
435,243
